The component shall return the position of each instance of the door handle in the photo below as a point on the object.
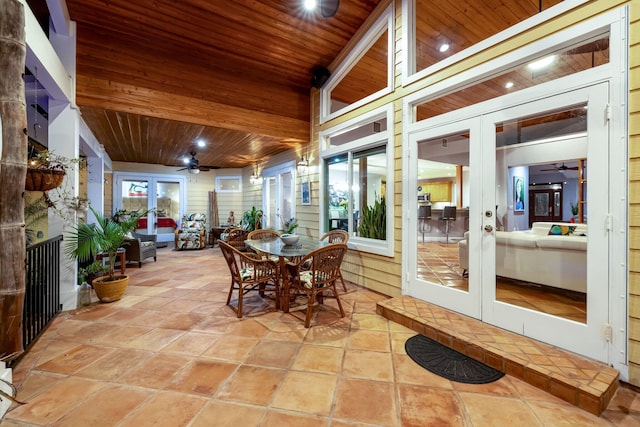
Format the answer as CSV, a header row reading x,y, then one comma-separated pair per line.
x,y
488,228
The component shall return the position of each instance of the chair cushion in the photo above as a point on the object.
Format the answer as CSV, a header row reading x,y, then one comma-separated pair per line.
x,y
247,273
147,244
306,278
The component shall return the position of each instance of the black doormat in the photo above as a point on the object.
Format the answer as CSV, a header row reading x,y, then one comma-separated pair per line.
x,y
448,363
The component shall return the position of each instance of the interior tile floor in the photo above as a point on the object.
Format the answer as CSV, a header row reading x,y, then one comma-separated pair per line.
x,y
170,353
438,263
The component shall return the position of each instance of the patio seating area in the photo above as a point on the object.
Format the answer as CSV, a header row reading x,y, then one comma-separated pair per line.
x,y
171,353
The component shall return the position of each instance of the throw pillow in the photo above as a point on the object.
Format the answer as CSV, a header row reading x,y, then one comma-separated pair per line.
x,y
128,235
561,230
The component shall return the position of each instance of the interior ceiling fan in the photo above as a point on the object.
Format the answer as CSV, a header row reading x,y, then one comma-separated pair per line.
x,y
562,167
193,165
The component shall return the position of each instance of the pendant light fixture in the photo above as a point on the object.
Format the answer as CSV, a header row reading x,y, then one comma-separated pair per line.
x,y
328,8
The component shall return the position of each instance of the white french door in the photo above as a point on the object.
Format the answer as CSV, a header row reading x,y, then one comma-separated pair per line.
x,y
278,200
440,149
574,128
163,196
499,157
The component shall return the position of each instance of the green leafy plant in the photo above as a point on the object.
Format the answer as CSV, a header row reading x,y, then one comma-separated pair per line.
x,y
373,221
91,271
35,212
574,208
251,219
289,226
85,240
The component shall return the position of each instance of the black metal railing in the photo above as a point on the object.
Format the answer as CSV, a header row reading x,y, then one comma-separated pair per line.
x,y
42,293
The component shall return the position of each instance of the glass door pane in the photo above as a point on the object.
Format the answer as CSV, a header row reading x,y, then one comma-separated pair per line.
x,y
278,191
541,266
167,209
444,237
443,213
135,200
286,209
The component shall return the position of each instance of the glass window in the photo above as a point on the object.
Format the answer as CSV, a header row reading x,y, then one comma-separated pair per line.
x,y
367,129
365,74
357,161
358,205
373,64
578,57
443,29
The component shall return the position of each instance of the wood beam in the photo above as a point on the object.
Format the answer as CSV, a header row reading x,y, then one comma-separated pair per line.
x,y
154,103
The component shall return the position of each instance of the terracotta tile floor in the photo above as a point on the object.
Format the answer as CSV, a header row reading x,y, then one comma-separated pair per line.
x,y
170,353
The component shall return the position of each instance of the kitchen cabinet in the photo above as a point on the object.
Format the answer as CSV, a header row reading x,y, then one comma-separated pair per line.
x,y
440,190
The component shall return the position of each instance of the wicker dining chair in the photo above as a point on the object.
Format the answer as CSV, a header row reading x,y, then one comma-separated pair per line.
x,y
235,236
319,279
337,236
264,234
250,273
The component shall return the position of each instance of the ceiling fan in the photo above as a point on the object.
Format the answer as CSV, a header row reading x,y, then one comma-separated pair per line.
x,y
193,165
562,167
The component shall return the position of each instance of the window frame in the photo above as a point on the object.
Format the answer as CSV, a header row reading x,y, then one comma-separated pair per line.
x,y
409,73
237,178
384,138
382,24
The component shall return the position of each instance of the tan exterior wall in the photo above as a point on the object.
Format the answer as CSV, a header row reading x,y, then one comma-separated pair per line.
x,y
384,274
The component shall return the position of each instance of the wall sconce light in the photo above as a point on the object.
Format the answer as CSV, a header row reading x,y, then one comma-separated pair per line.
x,y
255,179
303,165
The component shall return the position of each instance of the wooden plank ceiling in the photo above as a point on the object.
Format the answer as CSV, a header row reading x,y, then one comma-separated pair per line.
x,y
154,76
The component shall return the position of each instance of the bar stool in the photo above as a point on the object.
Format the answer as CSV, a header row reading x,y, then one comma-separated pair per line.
x,y
424,215
448,215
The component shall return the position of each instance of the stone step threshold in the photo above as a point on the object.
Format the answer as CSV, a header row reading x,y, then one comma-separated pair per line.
x,y
583,382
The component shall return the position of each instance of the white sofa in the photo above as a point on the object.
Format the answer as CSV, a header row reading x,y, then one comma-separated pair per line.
x,y
535,256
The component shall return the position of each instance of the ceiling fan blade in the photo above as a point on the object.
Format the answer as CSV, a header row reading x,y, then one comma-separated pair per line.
x,y
183,169
572,168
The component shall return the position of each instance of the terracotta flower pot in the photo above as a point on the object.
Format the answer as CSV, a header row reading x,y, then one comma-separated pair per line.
x,y
110,290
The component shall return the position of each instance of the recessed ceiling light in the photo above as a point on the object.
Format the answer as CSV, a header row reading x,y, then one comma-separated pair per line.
x,y
310,4
542,63
444,47
186,160
201,143
508,85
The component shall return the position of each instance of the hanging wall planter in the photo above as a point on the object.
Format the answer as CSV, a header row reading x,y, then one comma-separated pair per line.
x,y
43,179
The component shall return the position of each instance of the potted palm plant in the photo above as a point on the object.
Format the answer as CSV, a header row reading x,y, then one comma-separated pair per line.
x,y
107,235
252,219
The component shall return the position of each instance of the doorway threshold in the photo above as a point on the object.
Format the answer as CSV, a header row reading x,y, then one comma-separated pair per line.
x,y
583,382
